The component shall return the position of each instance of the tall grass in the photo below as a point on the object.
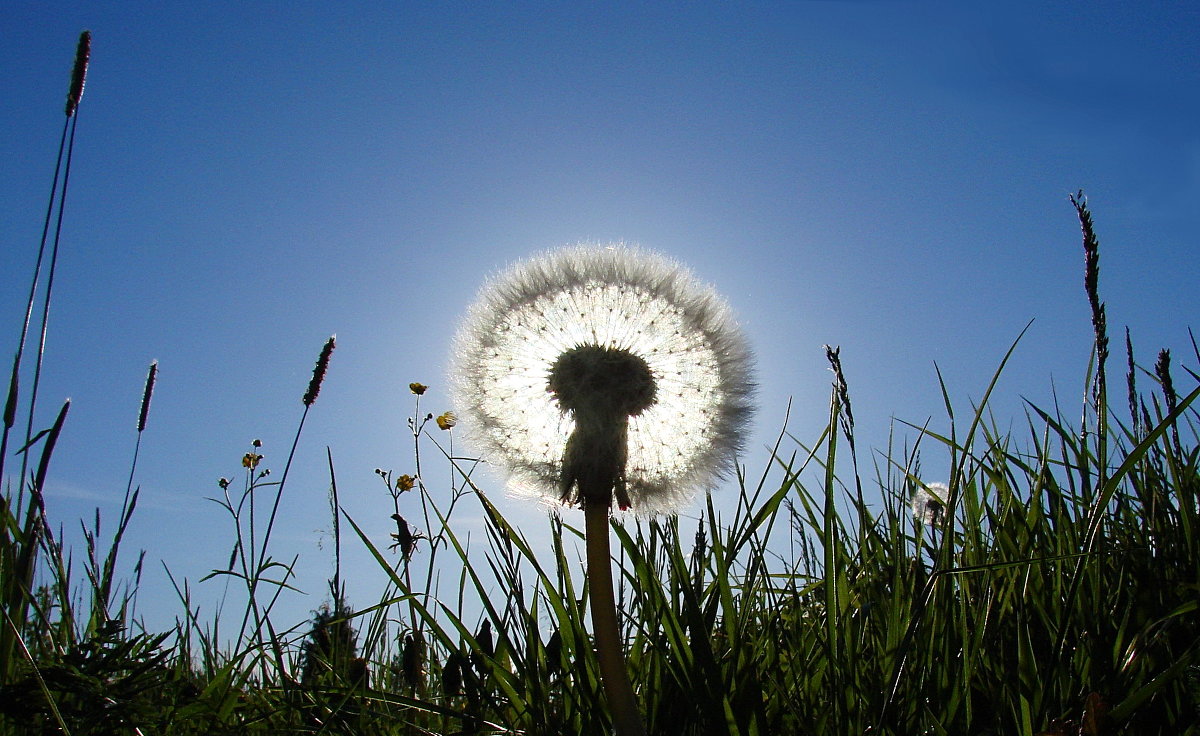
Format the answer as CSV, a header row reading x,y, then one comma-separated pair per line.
x,y
1056,593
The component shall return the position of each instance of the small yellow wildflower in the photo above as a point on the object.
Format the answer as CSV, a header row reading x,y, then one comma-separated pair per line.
x,y
417,388
447,420
405,483
251,460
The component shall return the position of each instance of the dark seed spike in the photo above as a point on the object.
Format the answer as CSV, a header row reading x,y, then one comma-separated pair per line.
x,y
83,53
150,378
314,386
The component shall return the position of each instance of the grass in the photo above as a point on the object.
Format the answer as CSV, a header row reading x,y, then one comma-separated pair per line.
x,y
1057,594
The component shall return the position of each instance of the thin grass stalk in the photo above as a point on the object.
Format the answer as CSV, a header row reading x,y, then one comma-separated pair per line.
x,y
627,721
75,92
34,532
1131,384
310,396
831,569
128,503
45,321
1091,247
35,520
1162,369
1091,279
334,505
833,355
417,424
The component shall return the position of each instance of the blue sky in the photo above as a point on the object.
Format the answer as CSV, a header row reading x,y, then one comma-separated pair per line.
x,y
890,177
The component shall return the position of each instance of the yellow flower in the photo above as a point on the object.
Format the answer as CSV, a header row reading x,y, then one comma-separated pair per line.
x,y
417,388
405,483
447,420
251,460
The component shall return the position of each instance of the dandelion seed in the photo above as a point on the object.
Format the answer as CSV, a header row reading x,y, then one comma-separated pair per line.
x,y
929,503
604,356
447,420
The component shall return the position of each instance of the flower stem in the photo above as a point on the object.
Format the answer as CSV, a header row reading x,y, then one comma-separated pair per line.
x,y
627,720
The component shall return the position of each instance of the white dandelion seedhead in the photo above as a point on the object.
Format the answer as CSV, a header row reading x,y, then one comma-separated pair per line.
x,y
929,503
623,350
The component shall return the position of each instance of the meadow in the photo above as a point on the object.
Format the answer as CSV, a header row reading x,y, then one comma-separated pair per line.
x,y
1054,589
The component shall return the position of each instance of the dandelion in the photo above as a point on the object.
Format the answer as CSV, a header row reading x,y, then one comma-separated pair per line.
x,y
929,503
588,341
595,374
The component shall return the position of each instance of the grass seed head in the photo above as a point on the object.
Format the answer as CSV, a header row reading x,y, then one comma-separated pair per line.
x,y
146,394
83,53
314,386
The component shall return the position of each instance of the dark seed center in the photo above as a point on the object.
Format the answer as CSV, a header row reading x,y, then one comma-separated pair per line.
x,y
594,380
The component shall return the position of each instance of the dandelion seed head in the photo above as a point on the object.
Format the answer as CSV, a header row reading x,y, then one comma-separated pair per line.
x,y
929,503
572,334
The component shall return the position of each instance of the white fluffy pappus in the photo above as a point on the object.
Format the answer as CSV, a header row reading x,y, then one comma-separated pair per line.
x,y
929,503
613,296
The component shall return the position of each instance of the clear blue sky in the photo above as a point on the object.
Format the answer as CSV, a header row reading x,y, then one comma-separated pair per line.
x,y
891,177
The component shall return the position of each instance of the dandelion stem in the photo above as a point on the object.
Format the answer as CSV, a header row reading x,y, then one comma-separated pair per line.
x,y
627,721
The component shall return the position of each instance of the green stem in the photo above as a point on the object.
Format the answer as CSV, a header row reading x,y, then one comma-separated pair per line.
x,y
627,720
